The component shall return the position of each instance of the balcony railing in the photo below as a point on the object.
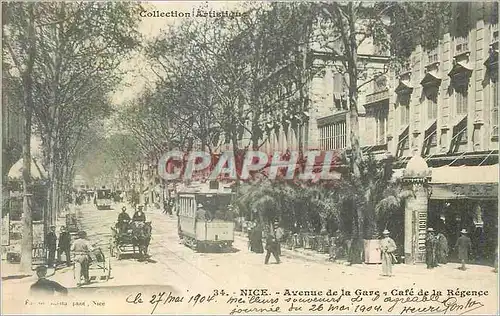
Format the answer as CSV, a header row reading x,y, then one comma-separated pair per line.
x,y
377,96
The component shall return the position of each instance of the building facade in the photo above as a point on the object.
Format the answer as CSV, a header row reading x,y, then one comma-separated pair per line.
x,y
12,126
444,108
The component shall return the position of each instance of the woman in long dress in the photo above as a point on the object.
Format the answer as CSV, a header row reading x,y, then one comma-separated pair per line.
x,y
256,240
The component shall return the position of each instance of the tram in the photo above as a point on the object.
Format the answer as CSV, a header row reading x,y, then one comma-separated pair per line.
x,y
205,219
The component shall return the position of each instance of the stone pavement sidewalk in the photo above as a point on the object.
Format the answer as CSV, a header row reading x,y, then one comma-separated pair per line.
x,y
450,269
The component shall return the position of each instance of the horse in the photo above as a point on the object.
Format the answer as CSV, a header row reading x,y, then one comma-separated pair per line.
x,y
141,236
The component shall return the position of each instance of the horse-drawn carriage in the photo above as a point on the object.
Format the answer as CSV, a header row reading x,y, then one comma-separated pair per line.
x,y
131,239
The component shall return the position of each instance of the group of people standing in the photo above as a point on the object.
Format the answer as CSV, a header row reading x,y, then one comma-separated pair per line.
x,y
274,237
53,247
437,250
80,248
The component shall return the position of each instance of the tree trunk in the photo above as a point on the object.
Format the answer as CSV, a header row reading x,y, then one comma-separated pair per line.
x,y
356,154
27,231
27,220
303,92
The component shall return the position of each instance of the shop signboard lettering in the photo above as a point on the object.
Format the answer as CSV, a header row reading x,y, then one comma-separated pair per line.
x,y
457,191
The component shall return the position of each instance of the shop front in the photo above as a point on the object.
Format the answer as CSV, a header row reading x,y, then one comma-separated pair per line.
x,y
12,212
466,197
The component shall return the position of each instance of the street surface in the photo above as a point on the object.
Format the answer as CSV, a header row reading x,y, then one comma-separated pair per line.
x,y
176,268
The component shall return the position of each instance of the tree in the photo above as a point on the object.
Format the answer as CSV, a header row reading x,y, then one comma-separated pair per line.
x,y
79,47
24,33
234,78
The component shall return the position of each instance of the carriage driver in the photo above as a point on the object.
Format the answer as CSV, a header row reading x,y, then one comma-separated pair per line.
x,y
123,220
139,215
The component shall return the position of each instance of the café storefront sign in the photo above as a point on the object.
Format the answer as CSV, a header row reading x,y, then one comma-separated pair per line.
x,y
464,191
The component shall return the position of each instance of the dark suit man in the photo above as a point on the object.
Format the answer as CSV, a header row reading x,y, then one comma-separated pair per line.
x,y
272,247
51,244
64,246
139,215
464,247
430,249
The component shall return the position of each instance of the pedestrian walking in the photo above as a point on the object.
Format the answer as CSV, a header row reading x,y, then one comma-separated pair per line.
x,y
271,247
332,251
51,245
295,235
430,249
442,248
387,247
82,249
44,287
279,234
464,247
249,235
171,206
165,207
64,246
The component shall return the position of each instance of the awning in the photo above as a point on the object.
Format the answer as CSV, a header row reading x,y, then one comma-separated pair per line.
x,y
404,85
430,124
459,119
464,182
37,170
465,174
430,78
492,58
460,66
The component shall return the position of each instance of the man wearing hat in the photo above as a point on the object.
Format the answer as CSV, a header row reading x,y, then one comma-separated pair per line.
x,y
279,233
123,220
387,247
139,215
82,249
51,244
64,246
272,245
430,249
442,248
201,214
464,246
46,287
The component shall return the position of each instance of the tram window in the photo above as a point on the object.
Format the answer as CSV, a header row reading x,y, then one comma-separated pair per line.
x,y
215,206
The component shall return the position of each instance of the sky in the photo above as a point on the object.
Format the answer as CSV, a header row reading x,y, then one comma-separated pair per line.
x,y
151,27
